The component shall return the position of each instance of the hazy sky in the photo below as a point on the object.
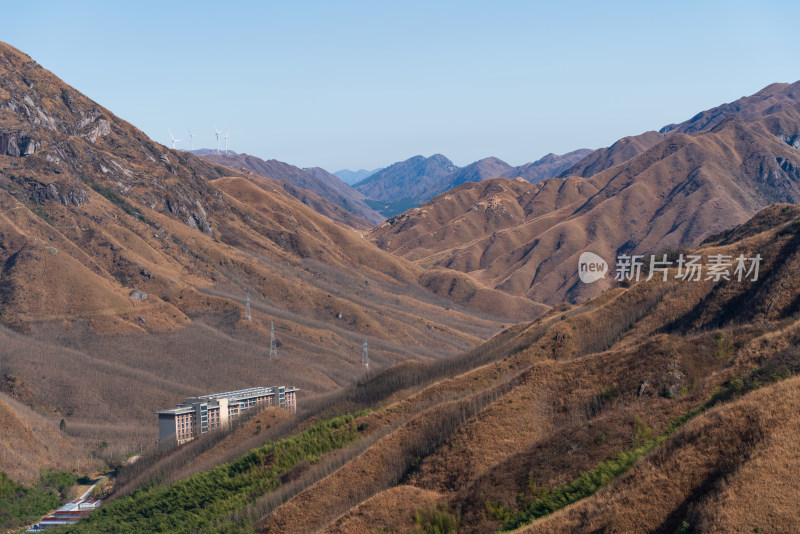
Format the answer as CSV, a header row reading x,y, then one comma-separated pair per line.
x,y
364,84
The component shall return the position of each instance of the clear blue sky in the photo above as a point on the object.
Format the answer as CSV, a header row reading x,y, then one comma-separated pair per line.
x,y
364,84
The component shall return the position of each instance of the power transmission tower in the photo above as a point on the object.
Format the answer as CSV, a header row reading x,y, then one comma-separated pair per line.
x,y
247,314
365,355
273,348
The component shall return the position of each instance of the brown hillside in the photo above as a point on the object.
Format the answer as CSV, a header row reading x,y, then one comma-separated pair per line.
x,y
771,99
315,180
545,401
30,442
526,239
733,469
125,267
620,152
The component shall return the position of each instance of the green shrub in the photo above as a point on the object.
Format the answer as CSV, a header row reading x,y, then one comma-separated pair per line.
x,y
436,520
548,501
43,215
58,482
722,346
21,505
642,433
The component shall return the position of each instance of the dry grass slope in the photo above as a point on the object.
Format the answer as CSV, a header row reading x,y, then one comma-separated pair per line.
x,y
674,190
549,400
94,215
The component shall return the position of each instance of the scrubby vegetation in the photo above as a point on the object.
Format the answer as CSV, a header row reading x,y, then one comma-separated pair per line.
x,y
436,520
201,502
541,502
779,366
21,505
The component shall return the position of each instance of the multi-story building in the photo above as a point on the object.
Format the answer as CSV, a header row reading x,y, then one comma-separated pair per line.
x,y
199,415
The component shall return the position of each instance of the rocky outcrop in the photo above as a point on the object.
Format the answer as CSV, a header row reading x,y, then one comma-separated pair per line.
x,y
99,129
8,145
791,140
78,145
138,295
196,216
16,145
66,194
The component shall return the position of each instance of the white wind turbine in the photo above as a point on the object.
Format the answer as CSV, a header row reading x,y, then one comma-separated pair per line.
x,y
217,132
173,139
191,139
226,142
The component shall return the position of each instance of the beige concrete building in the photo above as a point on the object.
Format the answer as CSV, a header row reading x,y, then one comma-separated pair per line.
x,y
200,415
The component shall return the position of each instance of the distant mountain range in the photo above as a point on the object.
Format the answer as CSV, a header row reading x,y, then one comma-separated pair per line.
x,y
409,183
389,191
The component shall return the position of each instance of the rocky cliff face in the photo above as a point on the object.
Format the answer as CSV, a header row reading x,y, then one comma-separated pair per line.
x,y
16,144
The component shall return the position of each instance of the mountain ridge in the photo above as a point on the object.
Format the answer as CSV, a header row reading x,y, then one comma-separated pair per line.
x,y
526,238
764,102
409,183
315,179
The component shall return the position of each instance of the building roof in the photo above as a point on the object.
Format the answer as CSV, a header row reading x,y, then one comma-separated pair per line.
x,y
234,396
248,393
